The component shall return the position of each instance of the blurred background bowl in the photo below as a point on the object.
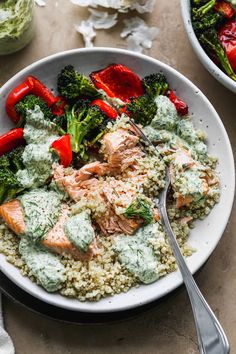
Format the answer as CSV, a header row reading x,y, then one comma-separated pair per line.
x,y
213,69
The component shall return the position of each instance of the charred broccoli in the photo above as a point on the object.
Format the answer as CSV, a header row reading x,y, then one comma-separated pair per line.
x,y
72,85
10,163
140,208
15,159
29,102
198,12
142,109
212,45
82,121
155,84
212,19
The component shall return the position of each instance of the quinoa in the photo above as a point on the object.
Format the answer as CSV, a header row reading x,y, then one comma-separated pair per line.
x,y
102,276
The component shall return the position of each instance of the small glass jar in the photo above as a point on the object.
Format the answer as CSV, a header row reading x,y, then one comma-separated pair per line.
x,y
16,24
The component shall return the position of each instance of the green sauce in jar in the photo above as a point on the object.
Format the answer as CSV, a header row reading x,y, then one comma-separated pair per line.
x,y
16,24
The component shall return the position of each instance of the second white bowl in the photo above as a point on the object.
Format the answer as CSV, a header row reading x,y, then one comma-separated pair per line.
x,y
200,52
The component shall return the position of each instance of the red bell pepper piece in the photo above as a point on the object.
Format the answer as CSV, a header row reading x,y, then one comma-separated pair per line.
x,y
225,9
11,140
63,149
227,37
40,90
106,108
118,81
180,105
15,96
30,85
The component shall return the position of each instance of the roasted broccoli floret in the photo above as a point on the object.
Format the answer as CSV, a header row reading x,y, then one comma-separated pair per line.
x,y
213,47
198,2
4,162
10,163
71,85
61,124
142,109
15,159
82,120
28,103
9,186
198,12
155,84
140,208
212,19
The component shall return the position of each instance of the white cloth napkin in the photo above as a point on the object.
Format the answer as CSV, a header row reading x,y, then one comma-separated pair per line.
x,y
6,345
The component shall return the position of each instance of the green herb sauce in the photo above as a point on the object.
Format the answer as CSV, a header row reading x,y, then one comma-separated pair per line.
x,y
16,24
79,230
136,254
41,212
37,157
45,266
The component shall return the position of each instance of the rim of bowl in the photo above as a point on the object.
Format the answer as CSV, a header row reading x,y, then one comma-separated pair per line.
x,y
213,69
178,281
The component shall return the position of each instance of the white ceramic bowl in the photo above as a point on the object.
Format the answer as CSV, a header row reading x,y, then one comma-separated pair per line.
x,y
200,52
207,233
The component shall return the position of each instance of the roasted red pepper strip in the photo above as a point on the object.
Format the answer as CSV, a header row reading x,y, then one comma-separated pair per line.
x,y
227,37
30,85
118,81
15,96
225,9
40,90
11,140
180,105
63,149
106,108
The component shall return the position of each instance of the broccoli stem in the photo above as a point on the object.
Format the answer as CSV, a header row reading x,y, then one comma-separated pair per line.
x,y
201,11
210,41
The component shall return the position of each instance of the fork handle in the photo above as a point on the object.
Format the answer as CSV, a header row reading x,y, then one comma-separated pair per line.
x,y
210,334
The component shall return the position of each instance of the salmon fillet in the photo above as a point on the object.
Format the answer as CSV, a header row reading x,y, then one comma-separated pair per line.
x,y
94,168
120,149
56,239
71,182
183,201
119,140
12,213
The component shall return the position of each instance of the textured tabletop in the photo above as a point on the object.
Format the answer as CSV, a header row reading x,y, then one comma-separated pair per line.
x,y
168,328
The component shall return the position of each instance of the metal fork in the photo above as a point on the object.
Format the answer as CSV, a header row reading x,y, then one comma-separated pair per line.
x,y
210,334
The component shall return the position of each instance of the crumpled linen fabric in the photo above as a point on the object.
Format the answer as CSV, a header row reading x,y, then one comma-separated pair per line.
x,y
6,345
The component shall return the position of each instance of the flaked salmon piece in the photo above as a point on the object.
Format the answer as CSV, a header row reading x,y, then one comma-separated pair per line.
x,y
12,213
128,226
120,149
57,241
118,140
118,193
185,220
117,224
82,189
156,214
68,181
123,159
211,180
183,201
94,168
